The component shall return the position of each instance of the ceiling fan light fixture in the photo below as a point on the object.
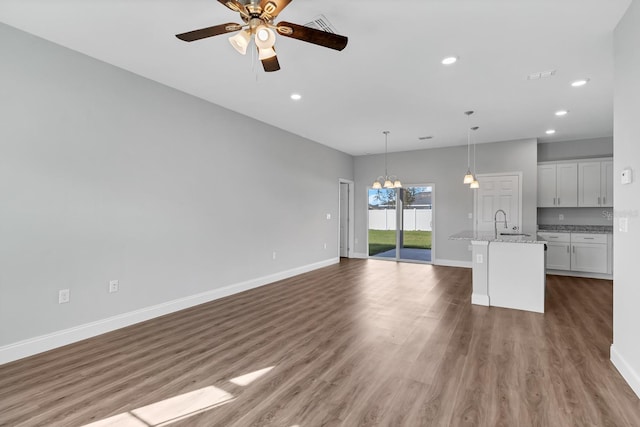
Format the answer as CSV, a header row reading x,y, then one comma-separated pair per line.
x,y
265,37
241,41
266,53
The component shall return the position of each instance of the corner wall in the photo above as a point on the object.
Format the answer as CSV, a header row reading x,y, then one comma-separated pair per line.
x,y
107,175
625,351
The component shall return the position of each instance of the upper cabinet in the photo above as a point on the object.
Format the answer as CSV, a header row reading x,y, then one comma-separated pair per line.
x,y
558,185
595,183
575,183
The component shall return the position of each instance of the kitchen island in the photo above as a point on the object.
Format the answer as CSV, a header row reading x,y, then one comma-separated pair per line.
x,y
508,270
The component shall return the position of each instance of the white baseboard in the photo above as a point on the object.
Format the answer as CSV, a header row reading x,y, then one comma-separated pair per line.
x,y
359,255
480,299
580,274
32,346
628,373
452,263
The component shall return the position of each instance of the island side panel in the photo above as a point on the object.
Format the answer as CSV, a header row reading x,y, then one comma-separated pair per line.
x,y
517,276
480,261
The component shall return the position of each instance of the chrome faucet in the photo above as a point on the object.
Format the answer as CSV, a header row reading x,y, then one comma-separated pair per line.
x,y
495,221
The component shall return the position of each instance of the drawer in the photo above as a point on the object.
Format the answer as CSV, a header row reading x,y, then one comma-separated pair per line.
x,y
588,238
555,237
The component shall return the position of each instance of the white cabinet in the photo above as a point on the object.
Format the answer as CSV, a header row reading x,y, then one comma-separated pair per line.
x,y
589,253
595,183
584,252
558,250
558,185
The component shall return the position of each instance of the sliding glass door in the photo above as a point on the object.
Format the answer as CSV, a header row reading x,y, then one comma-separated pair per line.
x,y
400,223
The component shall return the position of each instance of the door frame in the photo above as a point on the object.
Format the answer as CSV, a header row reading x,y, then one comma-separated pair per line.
x,y
350,214
496,174
400,222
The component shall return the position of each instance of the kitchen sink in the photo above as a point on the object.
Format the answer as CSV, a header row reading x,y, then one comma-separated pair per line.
x,y
515,234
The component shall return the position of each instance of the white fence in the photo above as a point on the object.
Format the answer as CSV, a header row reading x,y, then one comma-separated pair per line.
x,y
414,219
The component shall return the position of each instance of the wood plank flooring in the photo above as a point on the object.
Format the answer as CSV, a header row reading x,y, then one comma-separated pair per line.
x,y
361,343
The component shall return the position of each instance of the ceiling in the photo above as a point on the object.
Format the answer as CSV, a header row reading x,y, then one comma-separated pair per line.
x,y
389,77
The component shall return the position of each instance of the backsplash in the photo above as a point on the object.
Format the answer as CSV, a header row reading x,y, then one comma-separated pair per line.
x,y
576,216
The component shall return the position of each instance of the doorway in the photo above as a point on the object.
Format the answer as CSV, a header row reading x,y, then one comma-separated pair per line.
x,y
345,212
401,223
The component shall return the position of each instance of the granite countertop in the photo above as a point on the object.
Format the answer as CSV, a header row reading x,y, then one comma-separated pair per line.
x,y
595,229
489,236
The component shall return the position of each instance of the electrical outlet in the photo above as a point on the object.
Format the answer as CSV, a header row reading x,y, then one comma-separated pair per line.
x,y
479,259
561,217
114,286
274,255
63,296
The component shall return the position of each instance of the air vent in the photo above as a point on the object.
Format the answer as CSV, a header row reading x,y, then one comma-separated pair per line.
x,y
541,75
425,138
321,23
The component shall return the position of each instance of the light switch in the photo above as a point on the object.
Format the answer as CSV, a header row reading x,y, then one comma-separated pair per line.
x,y
623,225
328,216
626,177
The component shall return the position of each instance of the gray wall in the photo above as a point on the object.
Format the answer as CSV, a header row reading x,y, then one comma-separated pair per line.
x,y
570,150
626,291
106,175
577,149
445,167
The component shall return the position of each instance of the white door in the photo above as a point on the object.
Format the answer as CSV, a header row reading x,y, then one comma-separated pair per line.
x,y
344,219
498,192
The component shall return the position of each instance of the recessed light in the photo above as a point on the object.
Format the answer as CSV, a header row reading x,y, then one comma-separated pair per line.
x,y
550,132
561,113
296,96
580,82
449,60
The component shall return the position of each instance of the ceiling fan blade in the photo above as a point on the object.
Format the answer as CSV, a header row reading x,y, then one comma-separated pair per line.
x,y
271,64
236,6
271,8
311,35
203,33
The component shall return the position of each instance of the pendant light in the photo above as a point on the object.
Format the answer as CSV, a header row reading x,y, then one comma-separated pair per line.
x,y
474,184
468,177
386,181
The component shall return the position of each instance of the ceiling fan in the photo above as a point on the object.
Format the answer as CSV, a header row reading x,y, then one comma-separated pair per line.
x,y
258,16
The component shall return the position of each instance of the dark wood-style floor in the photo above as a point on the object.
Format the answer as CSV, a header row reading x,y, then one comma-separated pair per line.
x,y
365,342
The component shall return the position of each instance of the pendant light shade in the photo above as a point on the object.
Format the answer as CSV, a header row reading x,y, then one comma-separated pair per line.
x,y
475,184
386,180
468,177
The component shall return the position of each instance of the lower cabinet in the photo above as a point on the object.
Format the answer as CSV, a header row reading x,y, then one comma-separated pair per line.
x,y
584,252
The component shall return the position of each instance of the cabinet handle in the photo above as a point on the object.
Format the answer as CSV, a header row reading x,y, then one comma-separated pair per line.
x,y
604,200
588,238
574,249
598,201
558,201
568,249
554,201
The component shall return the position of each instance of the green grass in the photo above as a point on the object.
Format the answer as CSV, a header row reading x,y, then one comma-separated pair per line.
x,y
384,240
